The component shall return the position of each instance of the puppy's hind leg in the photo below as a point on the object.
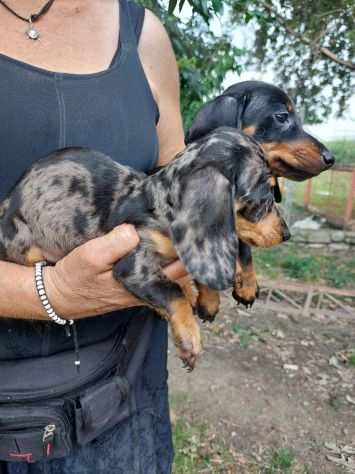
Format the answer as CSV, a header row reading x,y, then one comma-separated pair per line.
x,y
141,274
207,302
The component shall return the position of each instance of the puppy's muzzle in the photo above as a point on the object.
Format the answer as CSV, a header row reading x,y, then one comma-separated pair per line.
x,y
269,231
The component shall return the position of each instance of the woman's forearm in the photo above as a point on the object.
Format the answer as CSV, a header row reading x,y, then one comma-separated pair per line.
x,y
18,296
80,285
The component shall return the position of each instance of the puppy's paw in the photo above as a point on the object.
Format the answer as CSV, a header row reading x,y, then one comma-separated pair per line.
x,y
208,302
246,295
238,282
204,314
186,335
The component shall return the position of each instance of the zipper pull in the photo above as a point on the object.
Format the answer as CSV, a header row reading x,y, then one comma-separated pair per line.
x,y
48,439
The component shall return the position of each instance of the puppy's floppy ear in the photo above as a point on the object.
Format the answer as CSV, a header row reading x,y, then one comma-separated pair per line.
x,y
203,229
223,111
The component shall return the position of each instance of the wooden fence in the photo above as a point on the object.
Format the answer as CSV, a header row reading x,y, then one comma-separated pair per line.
x,y
305,300
345,218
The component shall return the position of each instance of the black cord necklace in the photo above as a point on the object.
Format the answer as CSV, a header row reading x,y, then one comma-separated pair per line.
x,y
32,32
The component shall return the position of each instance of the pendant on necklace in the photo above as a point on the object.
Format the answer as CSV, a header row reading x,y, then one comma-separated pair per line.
x,y
32,33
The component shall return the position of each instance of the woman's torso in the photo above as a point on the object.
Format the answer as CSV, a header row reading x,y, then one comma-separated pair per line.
x,y
106,107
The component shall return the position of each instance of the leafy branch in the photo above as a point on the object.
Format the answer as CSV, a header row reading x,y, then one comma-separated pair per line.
x,y
316,47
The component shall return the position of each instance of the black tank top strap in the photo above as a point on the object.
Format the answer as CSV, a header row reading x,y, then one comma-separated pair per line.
x,y
131,21
137,13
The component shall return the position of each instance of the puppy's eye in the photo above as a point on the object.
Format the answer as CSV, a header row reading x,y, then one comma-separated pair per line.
x,y
282,118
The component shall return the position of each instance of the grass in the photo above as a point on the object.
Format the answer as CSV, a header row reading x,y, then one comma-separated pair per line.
x,y
246,336
199,451
343,150
290,261
352,359
186,440
282,461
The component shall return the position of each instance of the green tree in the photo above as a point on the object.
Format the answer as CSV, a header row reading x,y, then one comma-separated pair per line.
x,y
203,58
311,46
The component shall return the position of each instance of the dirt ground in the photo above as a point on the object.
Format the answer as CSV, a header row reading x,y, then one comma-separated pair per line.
x,y
267,380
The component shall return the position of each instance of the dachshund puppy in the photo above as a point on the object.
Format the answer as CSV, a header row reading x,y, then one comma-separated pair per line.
x,y
267,114
219,189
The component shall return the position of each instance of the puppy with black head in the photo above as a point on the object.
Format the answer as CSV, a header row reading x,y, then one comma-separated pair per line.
x,y
217,191
267,114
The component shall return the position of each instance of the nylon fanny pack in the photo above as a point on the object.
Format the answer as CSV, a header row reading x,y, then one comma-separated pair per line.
x,y
56,413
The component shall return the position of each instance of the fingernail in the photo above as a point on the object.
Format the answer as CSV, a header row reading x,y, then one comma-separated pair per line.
x,y
127,231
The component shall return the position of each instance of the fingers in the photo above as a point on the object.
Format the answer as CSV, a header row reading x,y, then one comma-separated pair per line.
x,y
106,250
175,270
117,243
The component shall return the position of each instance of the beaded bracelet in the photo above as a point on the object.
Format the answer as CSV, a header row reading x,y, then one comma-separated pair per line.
x,y
44,298
67,323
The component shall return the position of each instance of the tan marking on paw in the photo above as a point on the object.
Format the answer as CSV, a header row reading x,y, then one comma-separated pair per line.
x,y
209,299
189,289
247,289
185,332
247,294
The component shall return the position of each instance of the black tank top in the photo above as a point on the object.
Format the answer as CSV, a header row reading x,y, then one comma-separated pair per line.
x,y
112,111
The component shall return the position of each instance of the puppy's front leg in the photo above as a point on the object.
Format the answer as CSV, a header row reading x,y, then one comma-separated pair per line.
x,y
246,288
140,272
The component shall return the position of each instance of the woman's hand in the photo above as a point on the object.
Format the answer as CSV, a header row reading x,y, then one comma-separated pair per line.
x,y
81,284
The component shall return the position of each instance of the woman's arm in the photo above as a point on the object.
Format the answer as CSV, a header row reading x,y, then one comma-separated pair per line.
x,y
159,63
79,285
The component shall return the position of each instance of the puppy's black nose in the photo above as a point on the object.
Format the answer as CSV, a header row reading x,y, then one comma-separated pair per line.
x,y
328,158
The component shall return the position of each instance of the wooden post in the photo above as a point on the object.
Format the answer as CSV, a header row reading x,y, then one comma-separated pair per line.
x,y
351,197
308,193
